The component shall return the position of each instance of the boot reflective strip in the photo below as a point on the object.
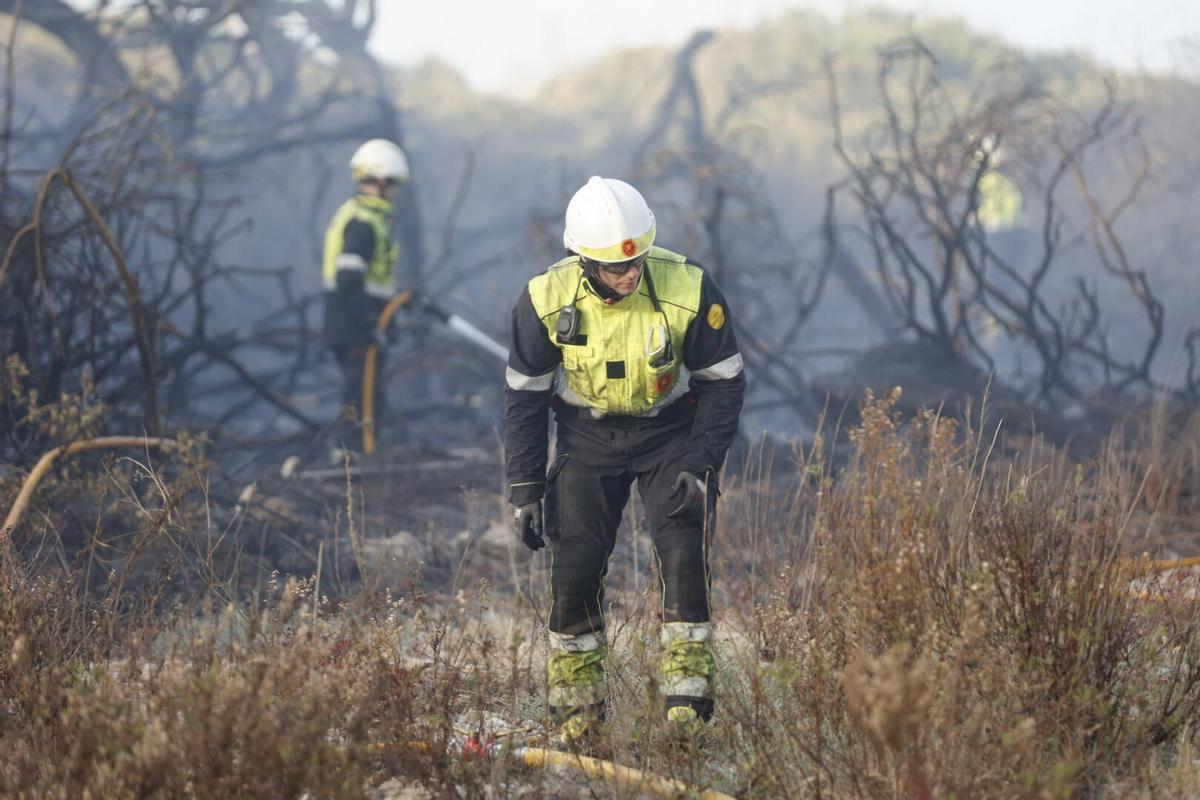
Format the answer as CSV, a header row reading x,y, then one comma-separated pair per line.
x,y
684,632
582,643
682,686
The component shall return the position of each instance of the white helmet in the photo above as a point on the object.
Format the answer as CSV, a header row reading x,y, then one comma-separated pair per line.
x,y
381,160
608,221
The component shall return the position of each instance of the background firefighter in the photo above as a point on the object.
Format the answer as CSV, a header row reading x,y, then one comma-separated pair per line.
x,y
633,346
358,277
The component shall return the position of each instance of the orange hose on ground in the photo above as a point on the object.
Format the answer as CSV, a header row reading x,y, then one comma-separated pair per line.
x,y
49,457
1174,563
627,777
368,399
595,768
1146,565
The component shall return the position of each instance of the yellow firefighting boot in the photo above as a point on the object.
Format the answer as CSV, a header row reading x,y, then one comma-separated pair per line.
x,y
575,676
686,673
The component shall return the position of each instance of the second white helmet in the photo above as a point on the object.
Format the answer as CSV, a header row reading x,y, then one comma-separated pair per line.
x,y
379,159
608,221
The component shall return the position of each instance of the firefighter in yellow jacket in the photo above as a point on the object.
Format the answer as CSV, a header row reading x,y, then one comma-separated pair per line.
x,y
633,347
359,276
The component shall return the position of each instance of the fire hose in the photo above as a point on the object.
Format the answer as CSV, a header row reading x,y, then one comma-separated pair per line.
x,y
626,778
454,322
50,456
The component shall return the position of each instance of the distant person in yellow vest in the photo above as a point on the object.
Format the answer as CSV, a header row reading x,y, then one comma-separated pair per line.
x,y
1001,215
359,276
1000,202
633,347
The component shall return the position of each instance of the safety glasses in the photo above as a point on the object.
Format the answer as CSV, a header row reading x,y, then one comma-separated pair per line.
x,y
621,267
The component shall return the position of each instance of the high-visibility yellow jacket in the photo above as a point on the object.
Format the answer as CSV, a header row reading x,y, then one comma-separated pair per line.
x,y
345,251
999,202
615,367
609,369
358,272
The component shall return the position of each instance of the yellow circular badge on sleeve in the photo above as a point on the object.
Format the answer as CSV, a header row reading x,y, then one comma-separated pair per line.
x,y
716,317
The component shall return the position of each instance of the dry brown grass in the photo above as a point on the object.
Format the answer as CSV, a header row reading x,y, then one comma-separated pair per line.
x,y
966,628
929,619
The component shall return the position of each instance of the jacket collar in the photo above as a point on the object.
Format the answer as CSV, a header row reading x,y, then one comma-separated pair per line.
x,y
375,203
607,295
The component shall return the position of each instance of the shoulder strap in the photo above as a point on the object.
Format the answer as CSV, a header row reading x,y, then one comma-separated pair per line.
x,y
650,289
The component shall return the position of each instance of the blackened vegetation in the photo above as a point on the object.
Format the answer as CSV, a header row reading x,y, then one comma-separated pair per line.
x,y
968,295
116,242
904,608
962,309
732,227
121,229
120,221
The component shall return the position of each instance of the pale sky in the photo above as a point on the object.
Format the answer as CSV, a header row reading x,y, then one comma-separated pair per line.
x,y
511,46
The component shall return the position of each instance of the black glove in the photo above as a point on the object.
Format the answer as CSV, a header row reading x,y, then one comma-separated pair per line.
x,y
419,302
689,495
422,303
527,521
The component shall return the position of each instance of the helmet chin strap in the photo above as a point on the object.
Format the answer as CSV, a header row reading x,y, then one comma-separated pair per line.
x,y
591,272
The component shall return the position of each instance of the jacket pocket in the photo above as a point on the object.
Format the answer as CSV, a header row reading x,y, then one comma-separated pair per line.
x,y
577,369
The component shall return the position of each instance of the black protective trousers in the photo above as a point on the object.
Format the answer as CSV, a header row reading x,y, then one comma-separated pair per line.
x,y
347,431
587,488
